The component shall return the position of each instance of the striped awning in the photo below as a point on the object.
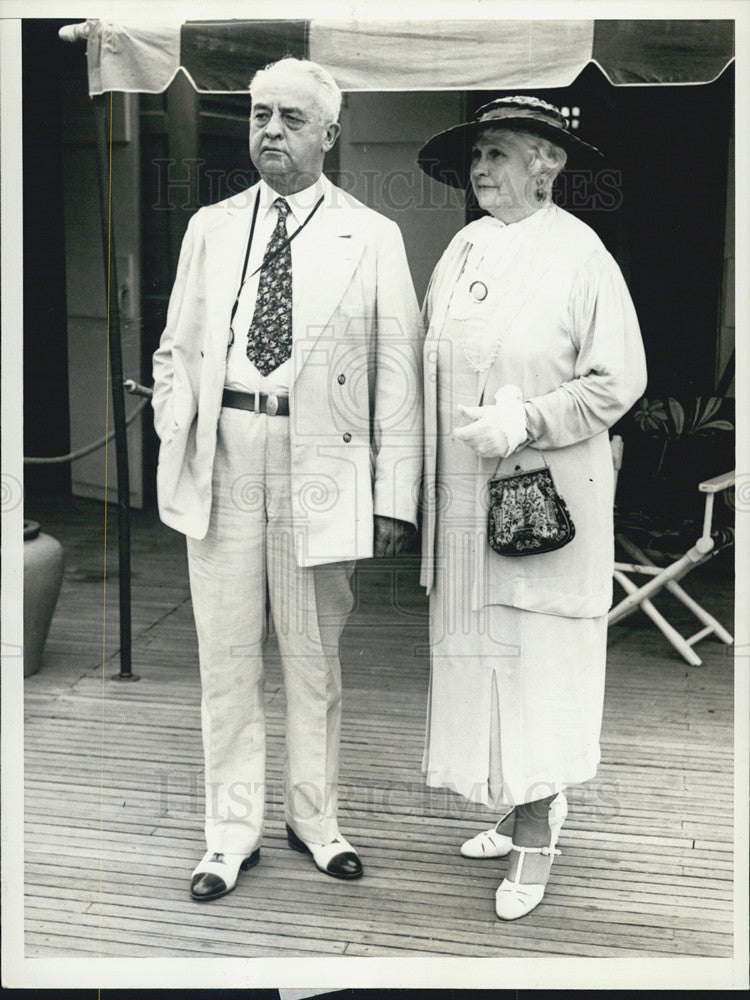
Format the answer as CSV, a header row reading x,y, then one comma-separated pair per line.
x,y
221,56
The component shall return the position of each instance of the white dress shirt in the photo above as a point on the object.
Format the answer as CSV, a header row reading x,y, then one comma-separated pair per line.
x,y
241,373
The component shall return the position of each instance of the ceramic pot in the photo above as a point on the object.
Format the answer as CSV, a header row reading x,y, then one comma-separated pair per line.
x,y
42,580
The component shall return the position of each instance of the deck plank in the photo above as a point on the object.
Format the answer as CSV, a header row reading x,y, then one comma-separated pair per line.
x,y
114,785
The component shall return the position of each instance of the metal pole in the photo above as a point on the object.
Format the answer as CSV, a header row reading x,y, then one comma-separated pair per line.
x,y
118,397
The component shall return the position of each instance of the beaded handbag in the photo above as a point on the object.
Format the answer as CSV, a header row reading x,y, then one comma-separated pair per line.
x,y
527,516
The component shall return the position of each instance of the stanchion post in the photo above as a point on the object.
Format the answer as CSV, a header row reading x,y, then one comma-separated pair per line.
x,y
118,398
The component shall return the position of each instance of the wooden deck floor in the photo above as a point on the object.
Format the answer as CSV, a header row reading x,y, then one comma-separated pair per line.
x,y
113,789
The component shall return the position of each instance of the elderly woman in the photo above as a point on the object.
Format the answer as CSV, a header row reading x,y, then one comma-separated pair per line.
x,y
533,351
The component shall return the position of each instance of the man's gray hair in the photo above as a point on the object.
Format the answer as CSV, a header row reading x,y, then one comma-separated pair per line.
x,y
329,95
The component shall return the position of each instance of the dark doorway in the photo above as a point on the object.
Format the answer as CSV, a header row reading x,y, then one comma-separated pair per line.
x,y
46,61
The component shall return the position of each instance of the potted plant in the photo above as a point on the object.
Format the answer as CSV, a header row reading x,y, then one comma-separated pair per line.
x,y
686,433
670,447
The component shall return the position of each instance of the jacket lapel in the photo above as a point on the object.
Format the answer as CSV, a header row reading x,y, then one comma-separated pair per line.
x,y
226,243
324,258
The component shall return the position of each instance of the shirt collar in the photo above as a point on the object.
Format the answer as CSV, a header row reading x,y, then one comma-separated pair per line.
x,y
301,203
487,227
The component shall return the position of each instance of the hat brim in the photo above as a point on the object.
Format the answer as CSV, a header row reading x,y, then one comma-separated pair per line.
x,y
447,156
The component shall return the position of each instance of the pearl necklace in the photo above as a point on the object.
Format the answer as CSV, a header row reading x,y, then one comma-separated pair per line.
x,y
480,366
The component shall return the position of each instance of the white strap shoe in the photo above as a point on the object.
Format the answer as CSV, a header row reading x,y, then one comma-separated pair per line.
x,y
489,843
515,899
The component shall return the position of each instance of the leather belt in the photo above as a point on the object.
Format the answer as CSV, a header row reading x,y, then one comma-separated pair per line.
x,y
257,402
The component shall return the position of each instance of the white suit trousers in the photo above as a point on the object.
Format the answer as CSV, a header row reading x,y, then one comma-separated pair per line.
x,y
244,567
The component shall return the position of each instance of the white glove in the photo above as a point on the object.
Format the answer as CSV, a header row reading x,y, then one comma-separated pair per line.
x,y
498,428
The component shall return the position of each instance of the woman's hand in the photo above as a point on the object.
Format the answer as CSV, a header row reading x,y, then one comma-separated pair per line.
x,y
497,429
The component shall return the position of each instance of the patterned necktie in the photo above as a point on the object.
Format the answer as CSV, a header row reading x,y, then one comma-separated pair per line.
x,y
269,339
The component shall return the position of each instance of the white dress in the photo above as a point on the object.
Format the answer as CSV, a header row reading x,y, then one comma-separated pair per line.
x,y
516,694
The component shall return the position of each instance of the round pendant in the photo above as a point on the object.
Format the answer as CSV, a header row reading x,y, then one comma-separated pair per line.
x,y
479,290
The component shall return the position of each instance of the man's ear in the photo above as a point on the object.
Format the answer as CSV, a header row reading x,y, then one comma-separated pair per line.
x,y
331,135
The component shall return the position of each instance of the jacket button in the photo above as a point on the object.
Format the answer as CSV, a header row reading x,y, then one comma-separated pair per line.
x,y
347,437
341,379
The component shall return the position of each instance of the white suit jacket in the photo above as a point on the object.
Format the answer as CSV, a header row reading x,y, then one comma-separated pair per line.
x,y
355,394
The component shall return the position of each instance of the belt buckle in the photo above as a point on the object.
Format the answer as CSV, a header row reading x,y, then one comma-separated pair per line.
x,y
272,404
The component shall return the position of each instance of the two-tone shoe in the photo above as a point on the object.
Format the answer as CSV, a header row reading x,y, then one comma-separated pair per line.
x,y
515,898
216,874
336,858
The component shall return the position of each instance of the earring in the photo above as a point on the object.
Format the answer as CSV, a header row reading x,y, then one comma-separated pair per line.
x,y
540,193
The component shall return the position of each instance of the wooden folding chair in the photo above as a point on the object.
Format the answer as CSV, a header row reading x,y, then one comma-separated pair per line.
x,y
705,547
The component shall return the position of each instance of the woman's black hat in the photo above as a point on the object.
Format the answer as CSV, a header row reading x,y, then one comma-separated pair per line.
x,y
447,155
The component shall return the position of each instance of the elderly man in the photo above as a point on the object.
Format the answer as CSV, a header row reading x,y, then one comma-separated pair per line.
x,y
287,403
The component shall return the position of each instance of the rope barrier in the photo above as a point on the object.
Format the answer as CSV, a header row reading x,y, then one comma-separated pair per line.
x,y
87,449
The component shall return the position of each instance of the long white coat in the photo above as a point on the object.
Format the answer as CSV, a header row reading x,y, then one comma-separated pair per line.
x,y
569,338
355,399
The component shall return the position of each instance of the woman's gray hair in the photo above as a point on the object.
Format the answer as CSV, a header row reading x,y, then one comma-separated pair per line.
x,y
329,95
552,157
